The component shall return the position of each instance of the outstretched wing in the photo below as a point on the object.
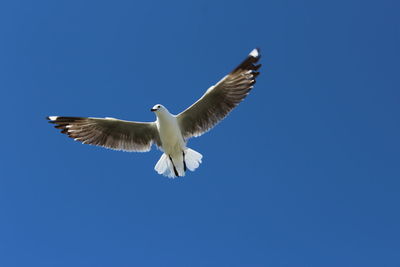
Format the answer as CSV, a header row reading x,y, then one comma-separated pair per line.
x,y
220,99
109,132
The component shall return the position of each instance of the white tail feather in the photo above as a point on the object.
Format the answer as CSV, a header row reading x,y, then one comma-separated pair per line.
x,y
192,159
165,167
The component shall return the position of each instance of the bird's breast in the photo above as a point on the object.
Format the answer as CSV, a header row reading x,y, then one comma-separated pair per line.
x,y
170,135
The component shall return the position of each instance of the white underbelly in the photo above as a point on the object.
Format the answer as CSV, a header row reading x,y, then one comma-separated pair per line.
x,y
171,137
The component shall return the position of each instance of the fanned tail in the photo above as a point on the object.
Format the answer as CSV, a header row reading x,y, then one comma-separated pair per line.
x,y
176,165
164,166
192,159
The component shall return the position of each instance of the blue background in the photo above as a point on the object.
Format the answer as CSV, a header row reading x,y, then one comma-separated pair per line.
x,y
305,172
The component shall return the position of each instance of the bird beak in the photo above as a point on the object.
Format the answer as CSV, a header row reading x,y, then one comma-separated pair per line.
x,y
153,109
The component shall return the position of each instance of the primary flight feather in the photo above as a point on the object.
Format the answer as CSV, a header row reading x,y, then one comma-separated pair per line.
x,y
169,132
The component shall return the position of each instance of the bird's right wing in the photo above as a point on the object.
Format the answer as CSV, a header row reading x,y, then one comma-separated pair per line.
x,y
109,132
220,99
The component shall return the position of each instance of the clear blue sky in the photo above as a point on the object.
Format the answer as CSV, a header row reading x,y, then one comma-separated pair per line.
x,y
305,172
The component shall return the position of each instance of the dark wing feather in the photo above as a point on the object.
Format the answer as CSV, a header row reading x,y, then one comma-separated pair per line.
x,y
110,133
220,99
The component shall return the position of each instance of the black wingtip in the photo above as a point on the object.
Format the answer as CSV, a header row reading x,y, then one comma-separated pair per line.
x,y
250,62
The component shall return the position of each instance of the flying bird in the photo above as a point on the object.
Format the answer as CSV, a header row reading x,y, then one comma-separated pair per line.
x,y
169,132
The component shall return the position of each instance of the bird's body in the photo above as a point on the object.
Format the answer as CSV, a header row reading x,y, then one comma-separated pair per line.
x,y
172,142
169,132
171,137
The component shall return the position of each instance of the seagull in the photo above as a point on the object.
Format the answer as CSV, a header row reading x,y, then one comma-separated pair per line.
x,y
169,132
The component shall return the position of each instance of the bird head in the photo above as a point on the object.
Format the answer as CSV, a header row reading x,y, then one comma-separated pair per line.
x,y
157,107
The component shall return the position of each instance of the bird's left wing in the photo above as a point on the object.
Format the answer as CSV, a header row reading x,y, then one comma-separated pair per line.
x,y
109,132
220,99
